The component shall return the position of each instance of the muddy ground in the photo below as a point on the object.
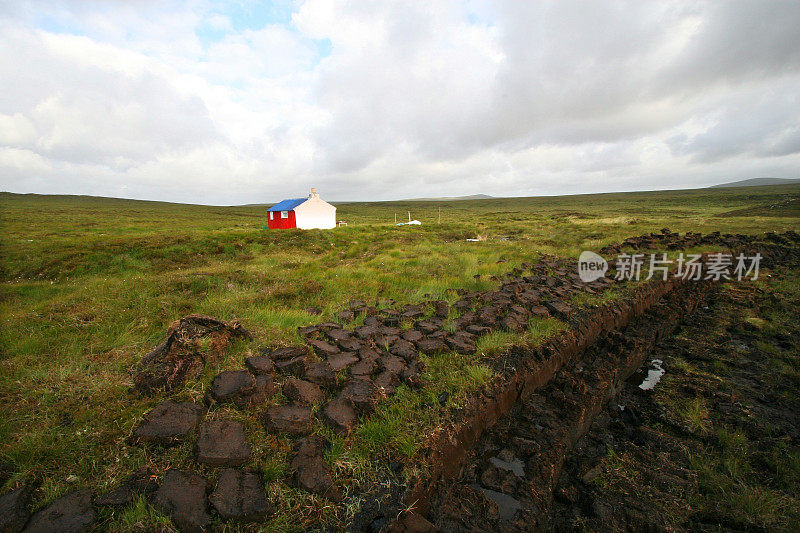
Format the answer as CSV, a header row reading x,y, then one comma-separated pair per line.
x,y
704,436
715,444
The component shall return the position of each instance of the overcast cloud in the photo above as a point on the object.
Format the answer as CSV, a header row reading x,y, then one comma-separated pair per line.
x,y
229,103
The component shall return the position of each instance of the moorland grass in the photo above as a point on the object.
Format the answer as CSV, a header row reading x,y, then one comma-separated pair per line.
x,y
89,285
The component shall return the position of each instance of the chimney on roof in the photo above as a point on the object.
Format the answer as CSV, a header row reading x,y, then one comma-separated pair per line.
x,y
313,193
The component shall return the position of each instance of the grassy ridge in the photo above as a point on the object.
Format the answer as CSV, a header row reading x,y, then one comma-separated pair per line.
x,y
90,284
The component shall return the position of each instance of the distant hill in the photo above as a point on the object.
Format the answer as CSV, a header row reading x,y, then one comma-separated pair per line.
x,y
757,182
450,198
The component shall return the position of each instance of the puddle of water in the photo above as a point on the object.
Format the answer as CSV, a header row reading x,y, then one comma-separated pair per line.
x,y
654,374
517,467
506,505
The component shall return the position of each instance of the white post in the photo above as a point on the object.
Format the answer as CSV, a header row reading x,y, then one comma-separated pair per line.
x,y
409,216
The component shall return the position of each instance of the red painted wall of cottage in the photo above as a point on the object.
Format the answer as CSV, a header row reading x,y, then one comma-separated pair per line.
x,y
281,223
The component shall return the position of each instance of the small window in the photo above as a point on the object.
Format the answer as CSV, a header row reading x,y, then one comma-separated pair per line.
x,y
284,214
271,215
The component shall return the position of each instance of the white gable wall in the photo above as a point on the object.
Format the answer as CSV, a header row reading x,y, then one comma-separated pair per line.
x,y
315,213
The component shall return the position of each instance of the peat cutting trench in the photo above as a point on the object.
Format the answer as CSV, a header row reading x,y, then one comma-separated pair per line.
x,y
508,478
495,466
524,461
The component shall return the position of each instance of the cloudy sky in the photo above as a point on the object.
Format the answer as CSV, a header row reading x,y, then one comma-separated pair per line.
x,y
204,101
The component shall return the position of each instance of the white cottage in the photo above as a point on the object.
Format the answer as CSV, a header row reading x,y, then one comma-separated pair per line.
x,y
304,213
